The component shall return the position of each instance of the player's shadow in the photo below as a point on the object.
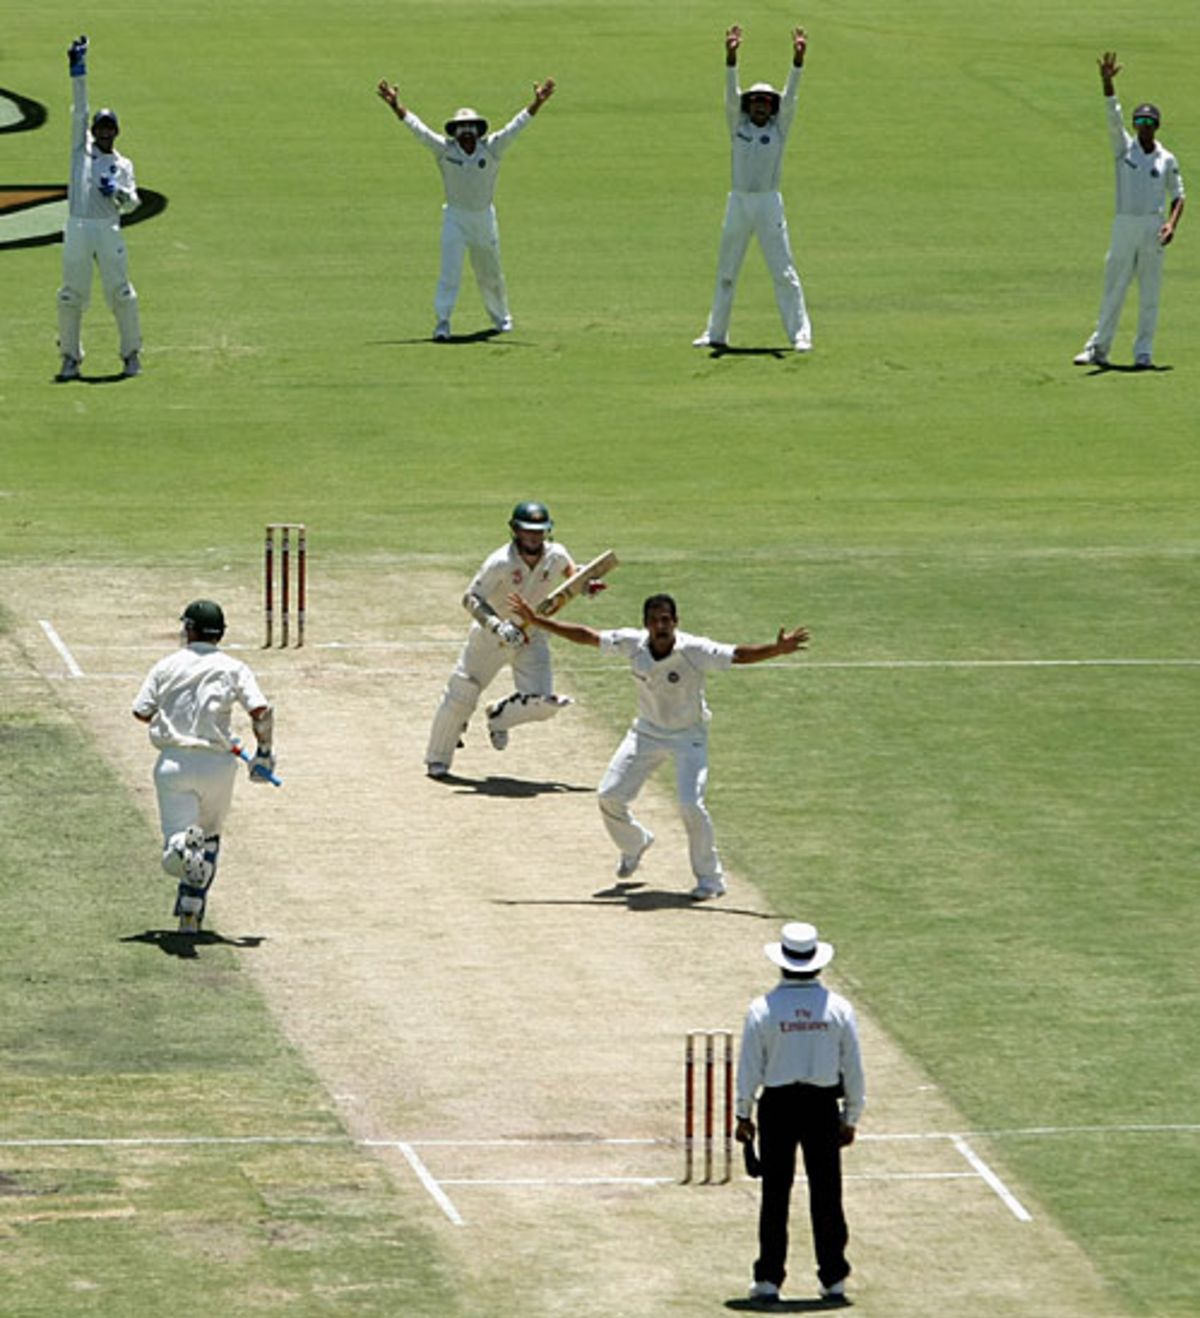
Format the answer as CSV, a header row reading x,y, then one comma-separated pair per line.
x,y
788,1306
186,946
512,788
116,377
1128,368
455,340
778,353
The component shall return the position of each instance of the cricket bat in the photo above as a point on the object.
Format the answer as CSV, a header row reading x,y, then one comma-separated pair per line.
x,y
600,566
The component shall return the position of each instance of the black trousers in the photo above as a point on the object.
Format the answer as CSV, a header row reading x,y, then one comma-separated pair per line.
x,y
807,1116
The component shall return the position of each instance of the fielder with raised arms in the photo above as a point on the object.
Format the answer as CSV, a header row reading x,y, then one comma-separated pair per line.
x,y
187,699
468,157
668,668
759,121
101,189
535,565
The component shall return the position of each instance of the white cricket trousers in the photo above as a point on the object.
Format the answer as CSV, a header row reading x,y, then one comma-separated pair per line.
x,y
480,659
478,233
636,758
1134,249
101,241
194,786
759,215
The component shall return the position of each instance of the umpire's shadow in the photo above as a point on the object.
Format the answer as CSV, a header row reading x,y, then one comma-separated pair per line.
x,y
186,946
788,1306
514,788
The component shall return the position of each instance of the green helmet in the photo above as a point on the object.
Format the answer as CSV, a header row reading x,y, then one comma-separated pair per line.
x,y
530,516
205,619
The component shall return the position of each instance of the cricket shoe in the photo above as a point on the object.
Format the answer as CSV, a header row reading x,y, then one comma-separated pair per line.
x,y
707,889
504,326
133,366
627,865
1090,356
802,343
704,341
764,1290
436,770
1143,362
69,370
835,1292
441,332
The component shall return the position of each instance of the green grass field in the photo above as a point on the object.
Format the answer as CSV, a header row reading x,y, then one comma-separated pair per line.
x,y
1004,851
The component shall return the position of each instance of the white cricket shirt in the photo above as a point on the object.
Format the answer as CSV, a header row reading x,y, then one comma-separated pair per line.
x,y
89,165
1144,179
505,571
670,691
758,152
801,1032
469,180
190,695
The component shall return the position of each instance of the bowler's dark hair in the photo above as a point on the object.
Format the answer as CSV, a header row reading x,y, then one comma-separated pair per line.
x,y
657,601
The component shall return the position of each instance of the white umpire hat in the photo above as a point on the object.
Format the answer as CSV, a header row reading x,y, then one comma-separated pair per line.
x,y
463,116
799,948
760,89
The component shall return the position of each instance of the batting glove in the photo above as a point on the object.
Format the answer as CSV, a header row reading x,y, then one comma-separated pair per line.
x,y
108,186
262,767
77,57
508,633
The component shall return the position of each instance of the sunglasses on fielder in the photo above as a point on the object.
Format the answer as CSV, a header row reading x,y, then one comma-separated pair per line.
x,y
1144,121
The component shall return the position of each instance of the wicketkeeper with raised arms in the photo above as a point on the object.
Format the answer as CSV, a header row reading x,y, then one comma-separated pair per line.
x,y
668,667
101,189
187,699
535,565
468,157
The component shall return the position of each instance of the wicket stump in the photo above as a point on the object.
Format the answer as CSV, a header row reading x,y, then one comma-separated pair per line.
x,y
710,1038
285,530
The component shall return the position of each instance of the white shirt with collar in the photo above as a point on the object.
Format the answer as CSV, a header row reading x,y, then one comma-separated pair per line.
x,y
89,165
190,695
469,180
670,691
505,570
1144,178
801,1032
758,152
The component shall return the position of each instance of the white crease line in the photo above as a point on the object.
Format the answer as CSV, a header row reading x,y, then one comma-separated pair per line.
x,y
538,1181
424,1175
1011,1202
64,654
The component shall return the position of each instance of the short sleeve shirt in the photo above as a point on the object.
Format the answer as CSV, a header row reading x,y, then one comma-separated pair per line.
x,y
190,696
670,691
506,571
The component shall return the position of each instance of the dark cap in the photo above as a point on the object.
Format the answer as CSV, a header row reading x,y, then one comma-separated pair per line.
x,y
1148,111
106,115
205,618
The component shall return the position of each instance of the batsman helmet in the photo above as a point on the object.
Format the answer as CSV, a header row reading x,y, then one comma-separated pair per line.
x,y
464,117
530,516
760,89
205,618
106,115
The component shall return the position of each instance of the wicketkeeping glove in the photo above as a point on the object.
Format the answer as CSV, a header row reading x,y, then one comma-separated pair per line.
x,y
262,767
77,57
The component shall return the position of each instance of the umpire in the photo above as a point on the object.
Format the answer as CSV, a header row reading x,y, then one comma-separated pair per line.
x,y
800,1047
